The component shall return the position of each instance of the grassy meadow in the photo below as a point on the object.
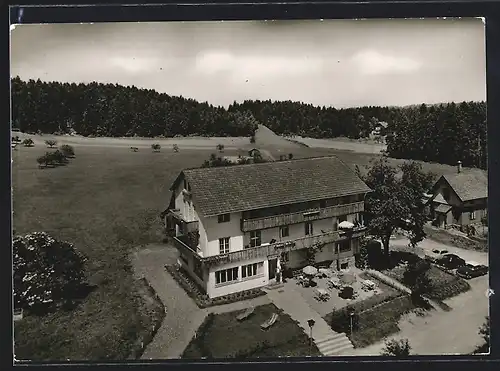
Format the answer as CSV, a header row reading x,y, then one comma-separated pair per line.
x,y
106,201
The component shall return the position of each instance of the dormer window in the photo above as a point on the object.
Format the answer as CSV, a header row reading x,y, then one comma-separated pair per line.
x,y
223,218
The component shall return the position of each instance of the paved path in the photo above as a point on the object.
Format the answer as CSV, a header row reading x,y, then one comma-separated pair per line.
x,y
183,316
454,332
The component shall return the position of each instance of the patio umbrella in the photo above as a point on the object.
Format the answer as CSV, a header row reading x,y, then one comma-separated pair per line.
x,y
346,225
310,270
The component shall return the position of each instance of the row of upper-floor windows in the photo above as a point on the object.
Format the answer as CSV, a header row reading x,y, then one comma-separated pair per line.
x,y
287,209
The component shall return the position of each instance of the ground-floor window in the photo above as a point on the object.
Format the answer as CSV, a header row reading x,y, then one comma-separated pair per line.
x,y
251,270
226,275
472,215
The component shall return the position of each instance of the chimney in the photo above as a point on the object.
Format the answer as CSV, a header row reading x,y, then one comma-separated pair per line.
x,y
459,166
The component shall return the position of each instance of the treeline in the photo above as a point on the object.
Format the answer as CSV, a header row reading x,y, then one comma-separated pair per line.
x,y
117,111
441,133
445,133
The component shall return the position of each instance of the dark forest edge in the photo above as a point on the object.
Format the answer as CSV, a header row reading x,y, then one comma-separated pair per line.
x,y
444,133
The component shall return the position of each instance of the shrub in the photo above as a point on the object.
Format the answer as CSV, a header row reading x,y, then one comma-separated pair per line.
x,y
155,147
290,156
47,272
67,150
51,143
28,142
397,348
220,147
175,147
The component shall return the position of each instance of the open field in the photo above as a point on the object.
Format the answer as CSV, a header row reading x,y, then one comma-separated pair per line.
x,y
106,201
343,144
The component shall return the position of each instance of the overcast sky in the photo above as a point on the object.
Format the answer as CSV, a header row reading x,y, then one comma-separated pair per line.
x,y
332,62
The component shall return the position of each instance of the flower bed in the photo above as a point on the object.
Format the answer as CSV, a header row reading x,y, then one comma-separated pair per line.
x,y
200,297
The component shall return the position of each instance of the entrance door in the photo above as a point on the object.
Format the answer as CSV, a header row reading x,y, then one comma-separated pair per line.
x,y
273,264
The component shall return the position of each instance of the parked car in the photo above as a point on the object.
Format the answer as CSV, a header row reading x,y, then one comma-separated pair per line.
x,y
451,261
435,254
472,270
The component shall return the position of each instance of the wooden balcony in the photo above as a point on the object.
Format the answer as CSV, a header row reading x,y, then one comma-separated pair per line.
x,y
300,217
269,250
185,226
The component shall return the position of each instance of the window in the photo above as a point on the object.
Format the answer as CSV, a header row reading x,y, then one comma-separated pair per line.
x,y
322,204
309,228
226,275
255,238
224,245
250,270
185,184
342,218
472,215
223,218
284,231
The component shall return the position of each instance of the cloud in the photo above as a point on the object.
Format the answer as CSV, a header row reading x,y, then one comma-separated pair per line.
x,y
256,66
371,62
134,64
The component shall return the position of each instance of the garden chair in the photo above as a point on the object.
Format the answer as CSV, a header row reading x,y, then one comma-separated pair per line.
x,y
269,322
247,313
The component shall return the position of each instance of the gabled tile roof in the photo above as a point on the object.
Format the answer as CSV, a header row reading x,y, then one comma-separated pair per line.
x,y
469,185
221,190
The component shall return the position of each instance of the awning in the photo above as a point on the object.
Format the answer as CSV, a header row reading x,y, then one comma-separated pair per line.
x,y
442,208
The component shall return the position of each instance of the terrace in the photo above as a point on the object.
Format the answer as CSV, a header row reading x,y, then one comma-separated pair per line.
x,y
186,245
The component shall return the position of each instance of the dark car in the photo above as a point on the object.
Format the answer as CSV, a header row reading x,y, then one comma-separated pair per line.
x,y
469,271
451,261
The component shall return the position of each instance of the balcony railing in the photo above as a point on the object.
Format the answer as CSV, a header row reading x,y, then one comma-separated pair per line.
x,y
186,226
267,250
300,217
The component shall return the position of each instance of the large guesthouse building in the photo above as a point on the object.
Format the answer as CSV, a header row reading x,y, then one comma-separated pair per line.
x,y
235,225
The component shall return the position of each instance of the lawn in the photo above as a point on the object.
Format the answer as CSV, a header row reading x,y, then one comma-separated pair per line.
x,y
223,336
106,201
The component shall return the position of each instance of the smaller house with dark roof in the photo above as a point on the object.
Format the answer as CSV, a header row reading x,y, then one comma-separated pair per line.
x,y
236,227
460,198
